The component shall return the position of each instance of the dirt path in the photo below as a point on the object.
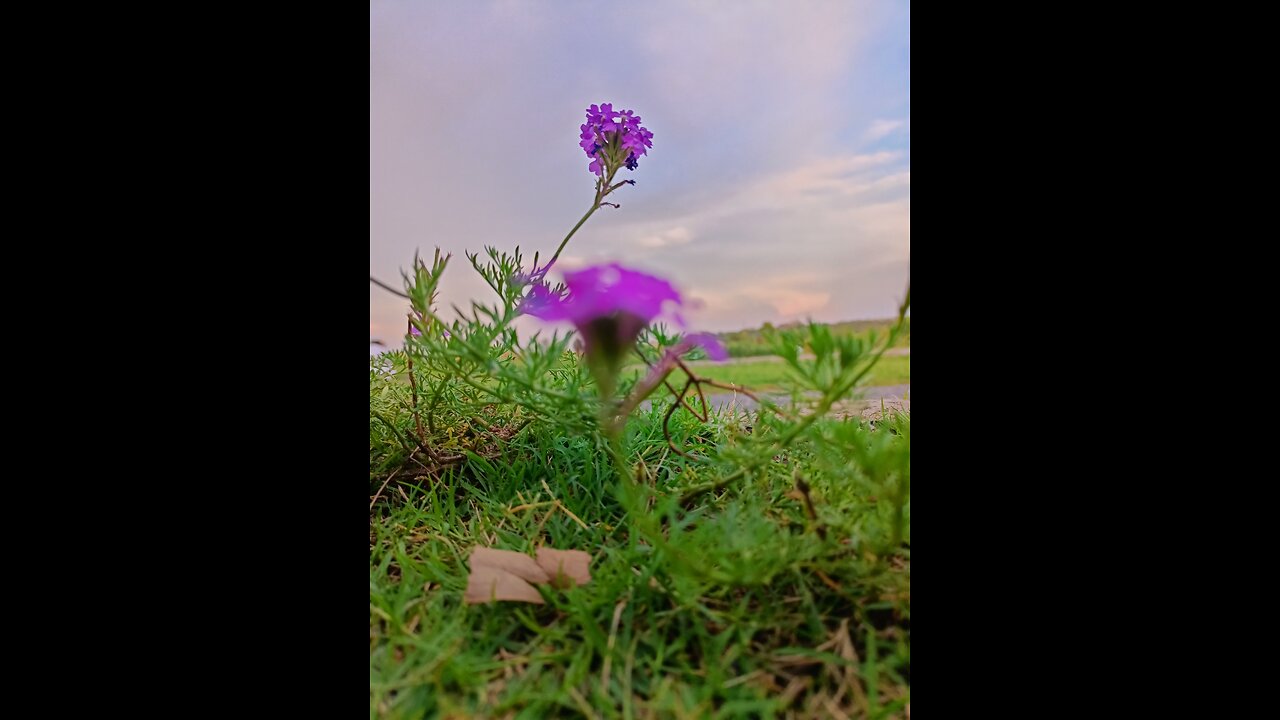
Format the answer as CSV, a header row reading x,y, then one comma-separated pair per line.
x,y
891,352
867,402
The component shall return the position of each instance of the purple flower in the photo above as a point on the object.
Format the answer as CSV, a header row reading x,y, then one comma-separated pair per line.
x,y
414,331
609,305
637,141
708,342
604,291
613,139
534,276
667,363
590,140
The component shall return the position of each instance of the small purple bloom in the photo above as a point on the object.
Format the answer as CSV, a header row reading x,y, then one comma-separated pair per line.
x,y
415,332
638,141
534,276
588,143
715,350
708,342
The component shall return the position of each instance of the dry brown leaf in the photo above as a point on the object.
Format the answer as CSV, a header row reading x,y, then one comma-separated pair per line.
x,y
517,564
506,575
487,584
834,709
793,689
566,568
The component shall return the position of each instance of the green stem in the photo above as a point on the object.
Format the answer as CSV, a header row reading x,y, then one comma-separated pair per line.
x,y
594,207
600,193
615,451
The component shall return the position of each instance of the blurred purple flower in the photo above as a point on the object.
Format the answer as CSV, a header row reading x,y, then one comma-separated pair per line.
x,y
609,305
604,291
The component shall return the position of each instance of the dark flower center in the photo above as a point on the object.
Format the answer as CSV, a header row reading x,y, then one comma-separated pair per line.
x,y
608,338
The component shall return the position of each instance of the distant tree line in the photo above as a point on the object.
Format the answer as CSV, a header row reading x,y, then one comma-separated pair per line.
x,y
753,342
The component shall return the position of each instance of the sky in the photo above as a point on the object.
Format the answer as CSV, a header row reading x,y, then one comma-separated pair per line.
x,y
778,187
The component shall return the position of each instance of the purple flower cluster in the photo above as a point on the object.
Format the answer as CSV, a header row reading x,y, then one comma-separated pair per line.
x,y
612,138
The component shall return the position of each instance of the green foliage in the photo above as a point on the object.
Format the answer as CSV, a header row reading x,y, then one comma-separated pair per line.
x,y
719,605
745,565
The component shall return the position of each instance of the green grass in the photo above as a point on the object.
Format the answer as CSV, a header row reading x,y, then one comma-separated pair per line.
x,y
773,375
740,606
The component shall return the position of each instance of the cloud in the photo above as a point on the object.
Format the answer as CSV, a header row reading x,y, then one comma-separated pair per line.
x,y
817,239
789,297
794,303
823,180
775,68
827,188
881,128
668,238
